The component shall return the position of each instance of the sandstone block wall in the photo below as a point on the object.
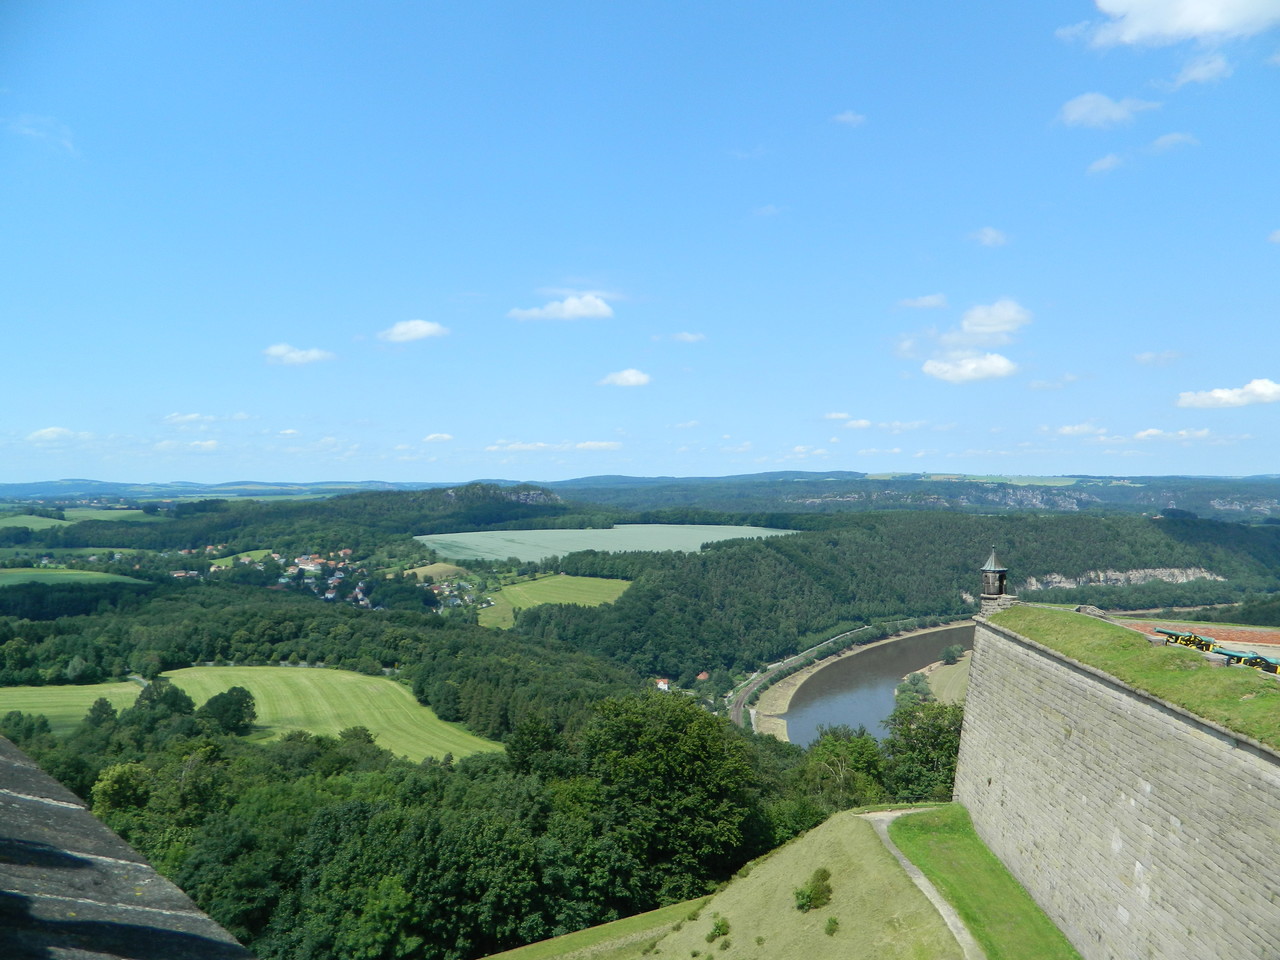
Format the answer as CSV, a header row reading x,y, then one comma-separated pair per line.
x,y
1143,831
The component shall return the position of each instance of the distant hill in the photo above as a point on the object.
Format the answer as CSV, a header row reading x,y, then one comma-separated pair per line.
x,y
1228,498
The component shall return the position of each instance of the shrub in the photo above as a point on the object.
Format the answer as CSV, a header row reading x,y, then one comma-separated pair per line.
x,y
816,893
833,924
718,929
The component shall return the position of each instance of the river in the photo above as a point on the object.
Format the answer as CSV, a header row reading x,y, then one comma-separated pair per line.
x,y
859,689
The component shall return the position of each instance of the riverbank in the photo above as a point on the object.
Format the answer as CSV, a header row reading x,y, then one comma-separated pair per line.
x,y
776,700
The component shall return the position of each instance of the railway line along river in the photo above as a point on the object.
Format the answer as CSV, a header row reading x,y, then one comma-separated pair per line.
x,y
854,688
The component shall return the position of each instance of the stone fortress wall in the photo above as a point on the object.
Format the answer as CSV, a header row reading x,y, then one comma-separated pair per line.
x,y
1142,830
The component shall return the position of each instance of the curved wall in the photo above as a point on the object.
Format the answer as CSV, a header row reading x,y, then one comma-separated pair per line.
x,y
1141,829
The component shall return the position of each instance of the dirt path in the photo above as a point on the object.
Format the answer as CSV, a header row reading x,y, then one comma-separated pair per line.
x,y
880,821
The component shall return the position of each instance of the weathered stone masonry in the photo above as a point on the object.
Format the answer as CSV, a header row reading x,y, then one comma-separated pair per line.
x,y
1141,829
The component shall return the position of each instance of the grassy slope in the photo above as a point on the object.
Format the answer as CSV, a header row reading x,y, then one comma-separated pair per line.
x,y
12,575
558,588
232,560
66,706
1240,699
951,683
74,514
288,698
998,912
329,701
882,915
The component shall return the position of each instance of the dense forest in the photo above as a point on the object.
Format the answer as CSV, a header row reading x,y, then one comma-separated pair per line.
x,y
607,800
316,847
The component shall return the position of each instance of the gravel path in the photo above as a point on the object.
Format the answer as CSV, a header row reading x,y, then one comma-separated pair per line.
x,y
880,821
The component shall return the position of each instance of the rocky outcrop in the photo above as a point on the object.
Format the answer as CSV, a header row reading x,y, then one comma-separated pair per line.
x,y
1120,578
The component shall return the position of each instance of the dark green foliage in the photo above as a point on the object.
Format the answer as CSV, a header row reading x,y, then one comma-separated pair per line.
x,y
816,892
833,924
231,712
952,654
921,750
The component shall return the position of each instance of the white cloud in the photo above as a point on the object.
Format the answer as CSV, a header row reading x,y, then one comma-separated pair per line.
x,y
51,434
1103,164
598,445
686,425
625,378
583,306
689,337
407,330
1157,358
835,416
179,418
1275,236
849,118
1080,430
1156,434
290,432
437,437
204,445
966,368
1062,381
520,446
42,128
857,424
990,237
1255,391
931,301
988,324
768,210
899,426
1211,66
873,451
1099,110
1161,22
284,353
1171,140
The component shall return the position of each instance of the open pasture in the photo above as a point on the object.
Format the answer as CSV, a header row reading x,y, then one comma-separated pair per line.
x,y
540,544
556,588
329,701
30,522
65,706
231,561
12,575
438,571
75,514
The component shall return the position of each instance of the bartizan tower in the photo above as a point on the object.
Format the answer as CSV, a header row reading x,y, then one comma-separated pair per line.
x,y
994,587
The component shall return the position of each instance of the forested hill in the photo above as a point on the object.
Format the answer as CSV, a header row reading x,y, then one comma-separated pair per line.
x,y
739,604
359,521
1235,498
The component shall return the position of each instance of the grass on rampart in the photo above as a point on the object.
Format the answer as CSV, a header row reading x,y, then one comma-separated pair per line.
x,y
1239,698
999,913
879,913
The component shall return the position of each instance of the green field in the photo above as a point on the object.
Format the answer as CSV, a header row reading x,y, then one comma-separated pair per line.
x,y
950,683
12,575
30,522
540,544
66,706
75,514
556,588
998,912
329,701
437,571
230,561
288,698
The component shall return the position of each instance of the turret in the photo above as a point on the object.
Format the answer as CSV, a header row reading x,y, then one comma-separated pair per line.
x,y
994,597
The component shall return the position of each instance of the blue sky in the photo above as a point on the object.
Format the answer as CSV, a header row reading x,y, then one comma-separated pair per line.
x,y
438,242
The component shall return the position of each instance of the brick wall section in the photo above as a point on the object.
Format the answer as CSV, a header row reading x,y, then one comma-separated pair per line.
x,y
1142,830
